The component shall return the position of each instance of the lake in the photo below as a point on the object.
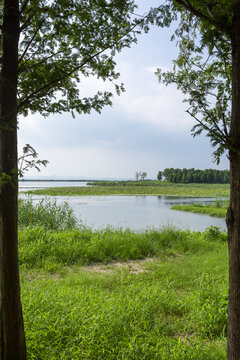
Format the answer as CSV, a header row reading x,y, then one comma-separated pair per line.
x,y
34,185
134,212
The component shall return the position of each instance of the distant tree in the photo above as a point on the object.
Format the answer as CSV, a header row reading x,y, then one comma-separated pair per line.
x,y
138,175
196,176
184,179
143,175
167,172
160,175
203,177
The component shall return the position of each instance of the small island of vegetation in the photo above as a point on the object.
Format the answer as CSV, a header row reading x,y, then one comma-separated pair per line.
x,y
219,209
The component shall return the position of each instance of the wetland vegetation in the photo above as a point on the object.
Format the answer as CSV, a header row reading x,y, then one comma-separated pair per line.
x,y
116,294
146,187
218,209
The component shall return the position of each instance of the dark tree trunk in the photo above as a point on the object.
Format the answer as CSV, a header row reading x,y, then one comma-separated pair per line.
x,y
12,339
233,216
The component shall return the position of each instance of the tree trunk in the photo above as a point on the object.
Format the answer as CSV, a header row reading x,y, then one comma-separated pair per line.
x,y
233,216
12,339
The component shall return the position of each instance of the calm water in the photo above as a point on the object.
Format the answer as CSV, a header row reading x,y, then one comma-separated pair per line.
x,y
134,212
33,185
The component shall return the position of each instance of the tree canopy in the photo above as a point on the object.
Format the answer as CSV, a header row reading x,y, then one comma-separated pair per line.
x,y
62,42
207,176
203,68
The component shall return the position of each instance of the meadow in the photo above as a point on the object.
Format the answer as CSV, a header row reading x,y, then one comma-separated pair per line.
x,y
139,188
116,294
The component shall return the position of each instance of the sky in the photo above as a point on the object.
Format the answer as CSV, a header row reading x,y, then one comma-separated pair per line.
x,y
146,129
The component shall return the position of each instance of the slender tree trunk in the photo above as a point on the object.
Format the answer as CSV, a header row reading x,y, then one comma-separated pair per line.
x,y
12,340
233,216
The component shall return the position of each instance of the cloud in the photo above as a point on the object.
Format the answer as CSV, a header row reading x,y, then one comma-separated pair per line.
x,y
154,103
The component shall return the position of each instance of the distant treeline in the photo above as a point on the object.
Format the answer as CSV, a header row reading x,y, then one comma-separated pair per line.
x,y
208,176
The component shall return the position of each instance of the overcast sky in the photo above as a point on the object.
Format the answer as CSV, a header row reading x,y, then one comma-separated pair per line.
x,y
146,129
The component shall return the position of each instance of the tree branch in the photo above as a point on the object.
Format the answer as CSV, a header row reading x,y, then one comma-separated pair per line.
x,y
213,120
43,60
77,68
219,25
218,137
24,6
186,4
31,40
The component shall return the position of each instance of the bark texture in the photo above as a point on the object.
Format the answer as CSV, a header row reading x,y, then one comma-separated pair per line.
x,y
12,339
233,216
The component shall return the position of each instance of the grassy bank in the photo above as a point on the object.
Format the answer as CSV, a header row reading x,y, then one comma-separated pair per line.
x,y
219,209
162,188
115,294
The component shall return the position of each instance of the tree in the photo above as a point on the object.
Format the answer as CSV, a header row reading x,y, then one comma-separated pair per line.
x,y
143,175
207,70
160,175
45,50
138,175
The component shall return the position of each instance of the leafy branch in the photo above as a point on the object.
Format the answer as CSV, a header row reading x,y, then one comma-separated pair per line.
x,y
28,160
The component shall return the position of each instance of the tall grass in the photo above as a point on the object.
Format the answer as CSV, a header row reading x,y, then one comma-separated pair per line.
x,y
46,213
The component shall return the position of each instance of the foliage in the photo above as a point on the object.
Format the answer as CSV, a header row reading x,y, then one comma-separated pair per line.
x,y
202,70
159,175
141,175
62,42
213,233
28,160
206,176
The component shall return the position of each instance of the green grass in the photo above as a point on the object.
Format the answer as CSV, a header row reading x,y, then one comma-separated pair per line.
x,y
125,183
163,188
219,209
46,213
41,248
115,294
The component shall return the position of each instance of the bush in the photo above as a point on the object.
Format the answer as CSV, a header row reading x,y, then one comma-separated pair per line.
x,y
213,233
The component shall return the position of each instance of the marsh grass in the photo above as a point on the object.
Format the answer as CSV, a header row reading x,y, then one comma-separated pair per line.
x,y
219,209
174,309
46,213
158,188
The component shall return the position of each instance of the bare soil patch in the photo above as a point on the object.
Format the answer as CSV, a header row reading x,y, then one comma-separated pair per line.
x,y
133,266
